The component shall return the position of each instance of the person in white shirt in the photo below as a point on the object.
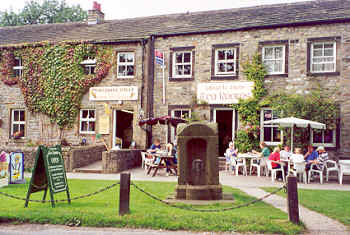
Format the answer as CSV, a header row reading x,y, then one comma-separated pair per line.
x,y
297,156
285,153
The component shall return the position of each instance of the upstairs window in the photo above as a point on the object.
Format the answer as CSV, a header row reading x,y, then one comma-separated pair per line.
x,y
225,61
274,59
323,57
87,121
18,68
182,64
125,65
89,66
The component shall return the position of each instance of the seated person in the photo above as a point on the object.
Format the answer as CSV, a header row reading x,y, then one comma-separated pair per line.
x,y
285,153
264,154
172,151
322,158
231,154
155,146
297,156
275,156
310,156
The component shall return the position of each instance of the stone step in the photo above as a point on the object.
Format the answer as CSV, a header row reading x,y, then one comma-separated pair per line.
x,y
95,168
91,171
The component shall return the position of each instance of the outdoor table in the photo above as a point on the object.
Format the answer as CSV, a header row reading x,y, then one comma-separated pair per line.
x,y
246,156
163,157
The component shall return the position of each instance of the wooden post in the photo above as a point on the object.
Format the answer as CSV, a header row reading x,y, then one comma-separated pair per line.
x,y
124,193
292,198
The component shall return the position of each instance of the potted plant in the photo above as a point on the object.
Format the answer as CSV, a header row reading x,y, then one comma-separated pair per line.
x,y
3,169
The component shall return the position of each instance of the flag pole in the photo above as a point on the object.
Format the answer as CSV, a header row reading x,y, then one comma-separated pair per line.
x,y
163,68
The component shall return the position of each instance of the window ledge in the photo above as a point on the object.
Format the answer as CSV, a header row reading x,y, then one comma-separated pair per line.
x,y
323,74
172,79
229,77
284,75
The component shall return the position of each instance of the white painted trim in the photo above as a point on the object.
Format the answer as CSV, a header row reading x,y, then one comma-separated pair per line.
x,y
274,59
233,119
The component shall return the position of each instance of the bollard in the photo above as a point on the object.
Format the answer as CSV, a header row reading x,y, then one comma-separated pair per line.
x,y
292,198
124,193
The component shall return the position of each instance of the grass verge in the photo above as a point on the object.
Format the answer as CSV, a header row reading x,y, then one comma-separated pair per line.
x,y
102,210
332,203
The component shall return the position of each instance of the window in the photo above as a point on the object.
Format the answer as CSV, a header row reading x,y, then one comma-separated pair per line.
x,y
126,65
18,122
323,57
18,68
178,113
274,59
269,133
225,61
87,121
182,64
89,66
323,137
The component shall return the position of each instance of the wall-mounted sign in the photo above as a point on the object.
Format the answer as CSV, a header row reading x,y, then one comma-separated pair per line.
x,y
103,127
224,92
113,93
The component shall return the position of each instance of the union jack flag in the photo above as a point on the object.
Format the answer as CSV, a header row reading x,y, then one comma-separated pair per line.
x,y
159,57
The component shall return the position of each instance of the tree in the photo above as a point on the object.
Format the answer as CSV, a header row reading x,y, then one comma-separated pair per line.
x,y
50,11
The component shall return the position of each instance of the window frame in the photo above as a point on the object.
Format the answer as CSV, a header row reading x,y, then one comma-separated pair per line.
x,y
89,63
172,57
88,120
323,49
330,145
271,143
19,67
172,114
283,58
226,61
13,122
174,64
126,64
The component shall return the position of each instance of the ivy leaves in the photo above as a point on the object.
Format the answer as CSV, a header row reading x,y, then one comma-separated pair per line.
x,y
53,80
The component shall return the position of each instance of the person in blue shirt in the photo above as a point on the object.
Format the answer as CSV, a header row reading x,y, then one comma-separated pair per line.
x,y
155,146
310,156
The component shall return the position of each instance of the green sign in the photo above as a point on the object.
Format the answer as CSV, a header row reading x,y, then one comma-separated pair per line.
x,y
48,173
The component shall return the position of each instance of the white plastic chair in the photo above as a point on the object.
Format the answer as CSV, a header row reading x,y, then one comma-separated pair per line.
x,y
255,163
299,168
275,170
241,162
228,162
146,161
344,169
331,166
316,170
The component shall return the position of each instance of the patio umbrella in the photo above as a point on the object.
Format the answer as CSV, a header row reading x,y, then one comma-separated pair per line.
x,y
292,121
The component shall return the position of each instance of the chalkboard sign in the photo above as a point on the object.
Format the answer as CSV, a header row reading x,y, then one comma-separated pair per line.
x,y
48,173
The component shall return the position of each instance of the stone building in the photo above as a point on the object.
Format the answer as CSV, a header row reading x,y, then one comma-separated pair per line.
x,y
304,45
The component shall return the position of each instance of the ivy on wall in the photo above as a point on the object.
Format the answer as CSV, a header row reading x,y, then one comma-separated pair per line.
x,y
53,80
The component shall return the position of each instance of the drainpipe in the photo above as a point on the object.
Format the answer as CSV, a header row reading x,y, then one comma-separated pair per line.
x,y
150,87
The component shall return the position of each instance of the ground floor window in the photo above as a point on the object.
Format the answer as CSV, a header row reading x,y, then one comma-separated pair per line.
x,y
18,122
178,113
87,121
269,133
323,137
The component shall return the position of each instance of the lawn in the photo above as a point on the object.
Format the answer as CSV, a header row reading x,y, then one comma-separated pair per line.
x,y
332,203
102,210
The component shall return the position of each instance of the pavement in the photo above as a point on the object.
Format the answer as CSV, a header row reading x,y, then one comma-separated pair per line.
x,y
315,223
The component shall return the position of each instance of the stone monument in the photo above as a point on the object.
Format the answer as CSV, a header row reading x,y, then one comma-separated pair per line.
x,y
198,162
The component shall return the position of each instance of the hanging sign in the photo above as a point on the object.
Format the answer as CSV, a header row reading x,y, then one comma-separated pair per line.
x,y
48,173
113,93
224,92
16,168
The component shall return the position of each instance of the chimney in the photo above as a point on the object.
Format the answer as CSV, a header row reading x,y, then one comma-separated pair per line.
x,y
95,15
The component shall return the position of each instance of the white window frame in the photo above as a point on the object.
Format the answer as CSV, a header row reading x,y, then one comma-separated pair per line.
x,y
19,122
89,63
172,129
88,120
274,59
270,126
226,61
19,67
332,62
183,64
126,64
333,144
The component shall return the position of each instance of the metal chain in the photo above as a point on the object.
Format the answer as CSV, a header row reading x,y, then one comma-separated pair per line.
x,y
62,200
208,210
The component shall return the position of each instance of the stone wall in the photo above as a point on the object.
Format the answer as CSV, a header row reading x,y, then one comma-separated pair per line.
x,y
116,161
84,155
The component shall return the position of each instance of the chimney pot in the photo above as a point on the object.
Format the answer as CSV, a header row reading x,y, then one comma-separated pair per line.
x,y
95,16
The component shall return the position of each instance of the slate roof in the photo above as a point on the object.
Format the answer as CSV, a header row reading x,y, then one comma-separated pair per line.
x,y
311,12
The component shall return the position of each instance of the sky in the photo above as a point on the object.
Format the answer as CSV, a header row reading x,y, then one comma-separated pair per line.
x,y
121,9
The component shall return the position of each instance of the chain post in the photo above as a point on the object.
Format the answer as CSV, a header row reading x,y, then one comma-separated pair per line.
x,y
124,194
292,199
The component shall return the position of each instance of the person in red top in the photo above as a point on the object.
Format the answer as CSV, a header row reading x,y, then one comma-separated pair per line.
x,y
275,156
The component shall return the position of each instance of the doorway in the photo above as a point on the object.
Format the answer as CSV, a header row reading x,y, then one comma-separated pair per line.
x,y
225,118
122,128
